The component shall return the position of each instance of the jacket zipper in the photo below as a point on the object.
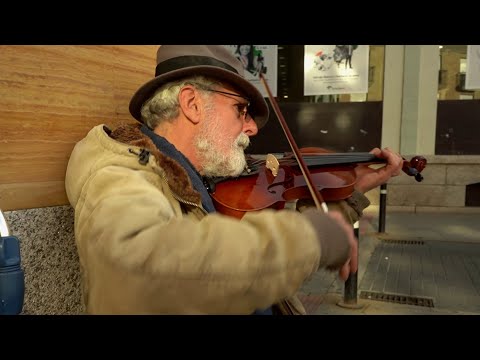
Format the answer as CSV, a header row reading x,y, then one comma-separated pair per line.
x,y
144,156
178,198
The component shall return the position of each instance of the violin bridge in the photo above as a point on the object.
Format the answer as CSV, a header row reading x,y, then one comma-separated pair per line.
x,y
272,164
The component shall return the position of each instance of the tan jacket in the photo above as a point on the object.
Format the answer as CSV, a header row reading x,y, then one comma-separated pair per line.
x,y
146,246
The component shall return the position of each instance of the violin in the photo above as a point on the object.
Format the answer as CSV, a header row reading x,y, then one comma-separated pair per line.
x,y
272,181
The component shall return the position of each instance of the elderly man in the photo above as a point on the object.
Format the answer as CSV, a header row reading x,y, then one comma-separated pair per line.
x,y
149,238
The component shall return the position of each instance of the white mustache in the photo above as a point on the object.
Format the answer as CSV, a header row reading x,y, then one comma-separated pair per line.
x,y
243,141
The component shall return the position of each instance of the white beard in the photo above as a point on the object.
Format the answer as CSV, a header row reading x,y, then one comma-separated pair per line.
x,y
214,160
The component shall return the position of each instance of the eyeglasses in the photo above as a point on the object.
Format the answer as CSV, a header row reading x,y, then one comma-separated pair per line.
x,y
242,108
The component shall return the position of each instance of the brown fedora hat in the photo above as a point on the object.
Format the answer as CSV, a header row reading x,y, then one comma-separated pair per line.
x,y
216,61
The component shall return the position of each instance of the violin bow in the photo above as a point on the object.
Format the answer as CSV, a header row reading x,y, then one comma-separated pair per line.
x,y
317,198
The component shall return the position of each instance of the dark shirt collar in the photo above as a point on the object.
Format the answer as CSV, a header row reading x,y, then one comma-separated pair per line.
x,y
168,149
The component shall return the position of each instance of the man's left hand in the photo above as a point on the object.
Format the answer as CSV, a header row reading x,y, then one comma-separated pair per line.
x,y
368,178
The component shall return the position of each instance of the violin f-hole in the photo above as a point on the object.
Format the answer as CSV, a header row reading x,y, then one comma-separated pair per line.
x,y
288,180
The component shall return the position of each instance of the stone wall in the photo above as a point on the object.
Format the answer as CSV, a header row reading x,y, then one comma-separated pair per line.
x,y
49,259
443,186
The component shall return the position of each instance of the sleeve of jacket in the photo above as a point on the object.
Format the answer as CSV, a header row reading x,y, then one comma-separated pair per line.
x,y
352,208
215,265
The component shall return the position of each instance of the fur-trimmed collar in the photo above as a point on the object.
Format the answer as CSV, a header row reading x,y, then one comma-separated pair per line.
x,y
177,177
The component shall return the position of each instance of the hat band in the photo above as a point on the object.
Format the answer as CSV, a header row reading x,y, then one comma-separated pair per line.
x,y
189,61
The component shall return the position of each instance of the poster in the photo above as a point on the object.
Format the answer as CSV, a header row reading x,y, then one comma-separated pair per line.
x,y
336,69
254,58
472,76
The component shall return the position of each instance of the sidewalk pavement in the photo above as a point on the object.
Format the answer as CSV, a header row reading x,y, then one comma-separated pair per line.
x,y
423,264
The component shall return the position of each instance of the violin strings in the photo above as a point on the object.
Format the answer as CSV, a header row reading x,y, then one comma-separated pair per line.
x,y
312,160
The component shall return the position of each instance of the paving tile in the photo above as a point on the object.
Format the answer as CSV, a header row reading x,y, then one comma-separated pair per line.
x,y
446,268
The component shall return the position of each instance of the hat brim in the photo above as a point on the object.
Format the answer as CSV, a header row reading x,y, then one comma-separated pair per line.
x,y
258,106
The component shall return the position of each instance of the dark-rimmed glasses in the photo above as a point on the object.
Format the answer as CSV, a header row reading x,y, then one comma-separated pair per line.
x,y
242,108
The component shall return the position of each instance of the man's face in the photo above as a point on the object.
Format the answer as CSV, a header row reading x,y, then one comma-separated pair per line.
x,y
223,136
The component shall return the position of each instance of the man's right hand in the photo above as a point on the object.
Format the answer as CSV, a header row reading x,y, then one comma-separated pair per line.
x,y
351,265
338,243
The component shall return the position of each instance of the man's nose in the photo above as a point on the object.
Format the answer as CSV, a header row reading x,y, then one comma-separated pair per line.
x,y
250,127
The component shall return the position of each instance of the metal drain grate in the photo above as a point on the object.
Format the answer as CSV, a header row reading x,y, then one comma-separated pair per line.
x,y
405,242
397,298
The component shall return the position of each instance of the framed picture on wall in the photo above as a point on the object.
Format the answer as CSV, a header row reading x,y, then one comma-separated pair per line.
x,y
256,59
336,69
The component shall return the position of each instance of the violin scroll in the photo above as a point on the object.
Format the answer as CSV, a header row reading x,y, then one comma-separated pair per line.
x,y
414,167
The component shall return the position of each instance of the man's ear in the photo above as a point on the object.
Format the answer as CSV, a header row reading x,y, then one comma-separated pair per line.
x,y
190,103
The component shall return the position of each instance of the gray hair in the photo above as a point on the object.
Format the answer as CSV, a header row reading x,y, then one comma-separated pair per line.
x,y
163,105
